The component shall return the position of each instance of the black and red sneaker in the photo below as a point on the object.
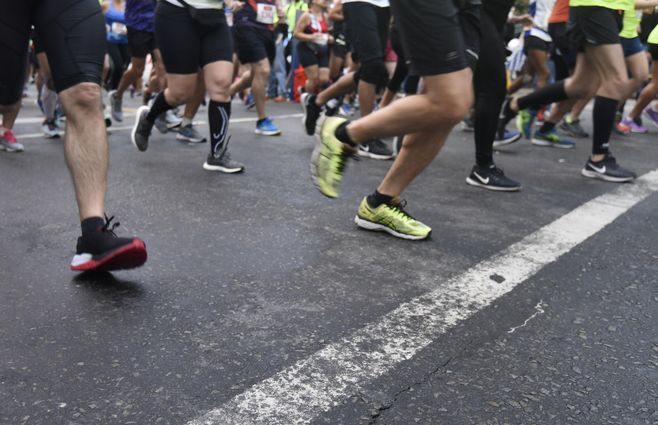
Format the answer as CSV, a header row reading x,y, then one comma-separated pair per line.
x,y
105,251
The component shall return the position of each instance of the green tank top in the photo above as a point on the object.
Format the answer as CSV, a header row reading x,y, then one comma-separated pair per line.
x,y
632,19
609,4
653,37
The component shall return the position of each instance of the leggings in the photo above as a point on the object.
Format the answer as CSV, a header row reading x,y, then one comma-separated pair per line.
x,y
490,89
120,60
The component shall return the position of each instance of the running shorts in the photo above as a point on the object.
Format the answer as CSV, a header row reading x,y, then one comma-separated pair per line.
x,y
312,55
71,32
594,26
340,48
185,45
366,28
254,44
631,46
653,50
140,43
562,53
531,42
431,35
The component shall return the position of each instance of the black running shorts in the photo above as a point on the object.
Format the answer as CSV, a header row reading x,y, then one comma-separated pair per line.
x,y
431,35
185,45
366,29
254,44
594,26
653,51
140,43
71,32
313,55
531,42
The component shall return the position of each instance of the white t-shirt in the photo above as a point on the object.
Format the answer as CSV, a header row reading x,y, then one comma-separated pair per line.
x,y
378,3
200,4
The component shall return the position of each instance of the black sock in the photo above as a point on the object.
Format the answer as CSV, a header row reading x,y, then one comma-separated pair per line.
x,y
160,105
91,225
219,114
544,96
604,118
376,199
546,127
341,134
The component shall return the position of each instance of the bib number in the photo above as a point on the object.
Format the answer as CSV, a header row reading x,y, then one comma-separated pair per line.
x,y
265,13
119,29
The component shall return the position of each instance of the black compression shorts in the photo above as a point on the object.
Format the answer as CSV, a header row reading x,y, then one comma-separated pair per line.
x,y
185,44
140,43
532,42
71,32
653,51
310,55
254,44
431,34
594,26
366,28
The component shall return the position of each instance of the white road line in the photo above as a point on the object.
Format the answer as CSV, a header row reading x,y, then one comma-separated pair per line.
x,y
129,127
301,392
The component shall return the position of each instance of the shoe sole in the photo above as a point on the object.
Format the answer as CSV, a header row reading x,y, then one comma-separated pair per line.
x,y
545,144
138,115
12,149
508,141
375,156
268,133
369,225
190,140
127,257
594,175
476,183
221,169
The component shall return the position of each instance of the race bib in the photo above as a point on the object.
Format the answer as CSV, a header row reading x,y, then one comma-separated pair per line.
x,y
265,13
119,28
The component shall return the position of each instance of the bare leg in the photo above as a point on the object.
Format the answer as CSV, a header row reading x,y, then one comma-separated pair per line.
x,y
131,75
367,95
341,87
192,105
261,71
648,94
9,114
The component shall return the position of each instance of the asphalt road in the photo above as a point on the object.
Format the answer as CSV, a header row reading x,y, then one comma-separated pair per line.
x,y
250,274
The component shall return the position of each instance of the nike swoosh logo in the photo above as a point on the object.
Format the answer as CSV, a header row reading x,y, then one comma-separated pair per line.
x,y
216,136
597,169
485,181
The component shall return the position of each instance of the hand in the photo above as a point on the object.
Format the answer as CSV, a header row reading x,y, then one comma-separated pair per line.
x,y
525,20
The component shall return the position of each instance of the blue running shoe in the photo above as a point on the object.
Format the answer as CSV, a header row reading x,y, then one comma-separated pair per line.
x,y
507,138
266,127
551,138
524,121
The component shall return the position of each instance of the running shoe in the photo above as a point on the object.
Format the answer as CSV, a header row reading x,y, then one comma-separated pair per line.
x,y
223,164
189,134
392,219
621,129
280,99
346,110
266,127
105,251
311,112
332,107
116,106
652,114
492,178
507,138
9,143
141,129
633,126
51,130
249,102
524,122
329,158
607,169
468,124
573,128
375,149
551,138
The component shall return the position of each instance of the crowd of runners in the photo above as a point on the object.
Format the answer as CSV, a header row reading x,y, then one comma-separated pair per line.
x,y
414,69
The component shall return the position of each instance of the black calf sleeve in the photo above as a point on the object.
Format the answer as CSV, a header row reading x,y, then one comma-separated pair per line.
x,y
545,96
160,106
604,118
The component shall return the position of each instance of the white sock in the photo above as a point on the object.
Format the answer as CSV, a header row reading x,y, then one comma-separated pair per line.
x,y
186,121
49,100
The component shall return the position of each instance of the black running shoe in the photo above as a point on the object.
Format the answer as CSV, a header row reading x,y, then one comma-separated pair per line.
x,y
223,164
492,178
375,149
142,129
607,169
311,112
104,251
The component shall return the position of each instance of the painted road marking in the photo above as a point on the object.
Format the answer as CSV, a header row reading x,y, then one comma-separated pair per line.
x,y
301,392
129,127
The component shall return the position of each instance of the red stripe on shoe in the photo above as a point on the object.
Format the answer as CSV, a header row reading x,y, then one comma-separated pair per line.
x,y
127,257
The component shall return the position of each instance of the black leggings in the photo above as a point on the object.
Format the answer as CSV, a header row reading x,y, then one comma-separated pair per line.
x,y
490,89
120,59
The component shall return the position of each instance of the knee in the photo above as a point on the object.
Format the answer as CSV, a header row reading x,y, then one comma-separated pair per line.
x,y
83,96
218,89
374,72
262,71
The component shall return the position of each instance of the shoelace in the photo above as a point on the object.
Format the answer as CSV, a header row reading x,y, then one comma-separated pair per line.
x,y
399,209
109,226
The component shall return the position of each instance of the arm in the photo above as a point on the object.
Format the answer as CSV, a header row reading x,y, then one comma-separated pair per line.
x,y
336,12
299,34
643,4
280,11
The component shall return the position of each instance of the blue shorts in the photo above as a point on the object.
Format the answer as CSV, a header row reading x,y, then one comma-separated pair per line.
x,y
631,46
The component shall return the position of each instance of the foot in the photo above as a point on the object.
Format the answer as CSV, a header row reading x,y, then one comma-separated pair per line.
x,y
142,129
524,121
652,114
9,143
116,106
249,102
280,99
189,134
266,127
551,138
103,250
329,159
311,113
607,169
506,138
223,164
346,110
375,149
392,219
634,126
492,178
51,130
573,128
468,124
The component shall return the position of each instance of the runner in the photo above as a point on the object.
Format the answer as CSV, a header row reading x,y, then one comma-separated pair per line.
x,y
73,37
194,35
434,42
312,31
48,100
650,92
595,32
253,24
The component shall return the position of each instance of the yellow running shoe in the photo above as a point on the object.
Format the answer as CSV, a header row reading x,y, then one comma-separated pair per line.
x,y
329,158
392,219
